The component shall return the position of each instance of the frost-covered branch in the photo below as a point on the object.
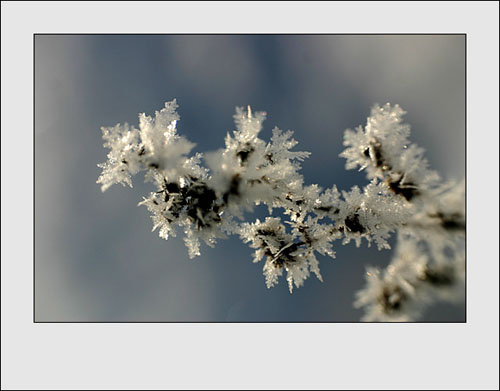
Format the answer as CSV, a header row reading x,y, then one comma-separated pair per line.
x,y
208,198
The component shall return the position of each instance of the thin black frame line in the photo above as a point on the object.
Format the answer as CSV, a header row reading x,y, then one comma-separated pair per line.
x,y
244,322
465,150
34,214
290,34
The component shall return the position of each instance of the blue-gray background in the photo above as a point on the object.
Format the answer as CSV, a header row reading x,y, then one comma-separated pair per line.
x,y
96,258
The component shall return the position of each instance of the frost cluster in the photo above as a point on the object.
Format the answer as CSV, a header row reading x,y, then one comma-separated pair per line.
x,y
209,196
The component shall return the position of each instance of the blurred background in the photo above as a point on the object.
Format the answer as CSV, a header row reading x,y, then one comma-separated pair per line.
x,y
95,256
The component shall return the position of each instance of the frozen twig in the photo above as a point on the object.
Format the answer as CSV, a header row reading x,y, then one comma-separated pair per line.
x,y
209,202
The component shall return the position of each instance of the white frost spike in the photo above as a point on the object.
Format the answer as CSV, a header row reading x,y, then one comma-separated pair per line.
x,y
164,148
122,158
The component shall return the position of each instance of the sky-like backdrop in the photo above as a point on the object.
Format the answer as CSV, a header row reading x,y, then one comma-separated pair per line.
x,y
95,256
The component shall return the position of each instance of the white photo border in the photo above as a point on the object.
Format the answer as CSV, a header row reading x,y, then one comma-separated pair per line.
x,y
270,356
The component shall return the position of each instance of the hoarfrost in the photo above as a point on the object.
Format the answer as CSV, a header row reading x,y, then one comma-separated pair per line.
x,y
208,197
